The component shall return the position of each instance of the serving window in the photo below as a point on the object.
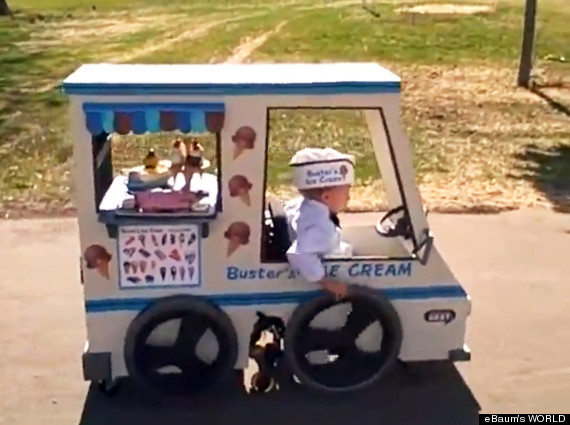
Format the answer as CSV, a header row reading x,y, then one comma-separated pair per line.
x,y
156,160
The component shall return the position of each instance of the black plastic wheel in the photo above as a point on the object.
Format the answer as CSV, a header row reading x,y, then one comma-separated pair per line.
x,y
347,367
191,374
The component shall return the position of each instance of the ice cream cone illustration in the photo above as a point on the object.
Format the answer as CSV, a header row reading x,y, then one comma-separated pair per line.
x,y
232,246
245,198
161,255
175,255
343,171
190,257
97,257
244,138
237,235
239,186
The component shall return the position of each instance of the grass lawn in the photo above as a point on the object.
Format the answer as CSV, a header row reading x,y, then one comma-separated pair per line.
x,y
479,142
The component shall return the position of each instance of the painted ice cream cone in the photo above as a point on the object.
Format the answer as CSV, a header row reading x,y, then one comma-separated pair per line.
x,y
103,268
232,246
239,186
98,258
238,151
245,198
237,234
244,138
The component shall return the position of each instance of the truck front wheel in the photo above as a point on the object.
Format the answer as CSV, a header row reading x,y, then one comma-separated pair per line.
x,y
343,365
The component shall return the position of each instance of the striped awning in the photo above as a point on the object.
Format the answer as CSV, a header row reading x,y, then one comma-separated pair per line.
x,y
141,118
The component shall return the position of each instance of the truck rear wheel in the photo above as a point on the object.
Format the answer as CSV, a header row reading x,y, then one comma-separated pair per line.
x,y
345,366
177,368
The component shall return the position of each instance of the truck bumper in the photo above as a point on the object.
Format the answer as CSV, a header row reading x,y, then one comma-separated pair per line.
x,y
96,366
460,354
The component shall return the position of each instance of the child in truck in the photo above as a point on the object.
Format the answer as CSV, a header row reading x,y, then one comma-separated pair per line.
x,y
323,178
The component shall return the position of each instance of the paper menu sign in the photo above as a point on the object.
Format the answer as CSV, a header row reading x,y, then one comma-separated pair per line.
x,y
157,256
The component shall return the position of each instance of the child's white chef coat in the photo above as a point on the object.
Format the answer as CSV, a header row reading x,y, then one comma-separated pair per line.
x,y
315,236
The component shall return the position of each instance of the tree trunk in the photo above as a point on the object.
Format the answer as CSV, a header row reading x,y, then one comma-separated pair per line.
x,y
525,66
4,8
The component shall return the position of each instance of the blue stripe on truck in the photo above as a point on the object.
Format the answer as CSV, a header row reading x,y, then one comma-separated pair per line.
x,y
274,298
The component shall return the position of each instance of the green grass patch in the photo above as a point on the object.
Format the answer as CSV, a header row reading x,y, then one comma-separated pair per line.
x,y
345,130
428,39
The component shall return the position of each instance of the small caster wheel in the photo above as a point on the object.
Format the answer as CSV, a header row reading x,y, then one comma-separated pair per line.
x,y
108,388
261,383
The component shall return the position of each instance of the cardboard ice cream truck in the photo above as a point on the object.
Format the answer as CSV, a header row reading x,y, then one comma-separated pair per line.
x,y
180,259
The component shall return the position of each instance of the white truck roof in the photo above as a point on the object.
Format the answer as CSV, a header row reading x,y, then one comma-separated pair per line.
x,y
232,79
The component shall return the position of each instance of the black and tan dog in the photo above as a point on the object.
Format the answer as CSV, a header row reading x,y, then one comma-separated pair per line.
x,y
265,347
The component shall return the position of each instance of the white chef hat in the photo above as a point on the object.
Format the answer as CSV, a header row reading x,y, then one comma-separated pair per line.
x,y
321,167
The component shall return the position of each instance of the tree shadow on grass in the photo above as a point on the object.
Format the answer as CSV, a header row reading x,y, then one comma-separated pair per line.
x,y
549,171
442,399
553,103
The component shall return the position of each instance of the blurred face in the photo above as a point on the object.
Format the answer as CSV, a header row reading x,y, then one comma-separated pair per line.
x,y
336,197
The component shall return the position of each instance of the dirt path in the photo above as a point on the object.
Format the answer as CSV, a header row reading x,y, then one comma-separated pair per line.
x,y
177,37
330,5
249,45
167,40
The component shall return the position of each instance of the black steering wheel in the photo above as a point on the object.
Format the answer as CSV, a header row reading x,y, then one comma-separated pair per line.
x,y
401,227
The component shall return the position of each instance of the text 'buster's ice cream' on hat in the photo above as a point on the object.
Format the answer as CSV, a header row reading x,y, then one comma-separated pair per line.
x,y
317,167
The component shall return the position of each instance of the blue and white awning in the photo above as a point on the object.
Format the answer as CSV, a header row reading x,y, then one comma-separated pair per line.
x,y
141,118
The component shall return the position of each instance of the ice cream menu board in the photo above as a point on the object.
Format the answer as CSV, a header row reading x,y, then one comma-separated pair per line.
x,y
159,255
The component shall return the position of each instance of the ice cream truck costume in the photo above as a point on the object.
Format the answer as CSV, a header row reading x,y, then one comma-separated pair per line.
x,y
173,278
